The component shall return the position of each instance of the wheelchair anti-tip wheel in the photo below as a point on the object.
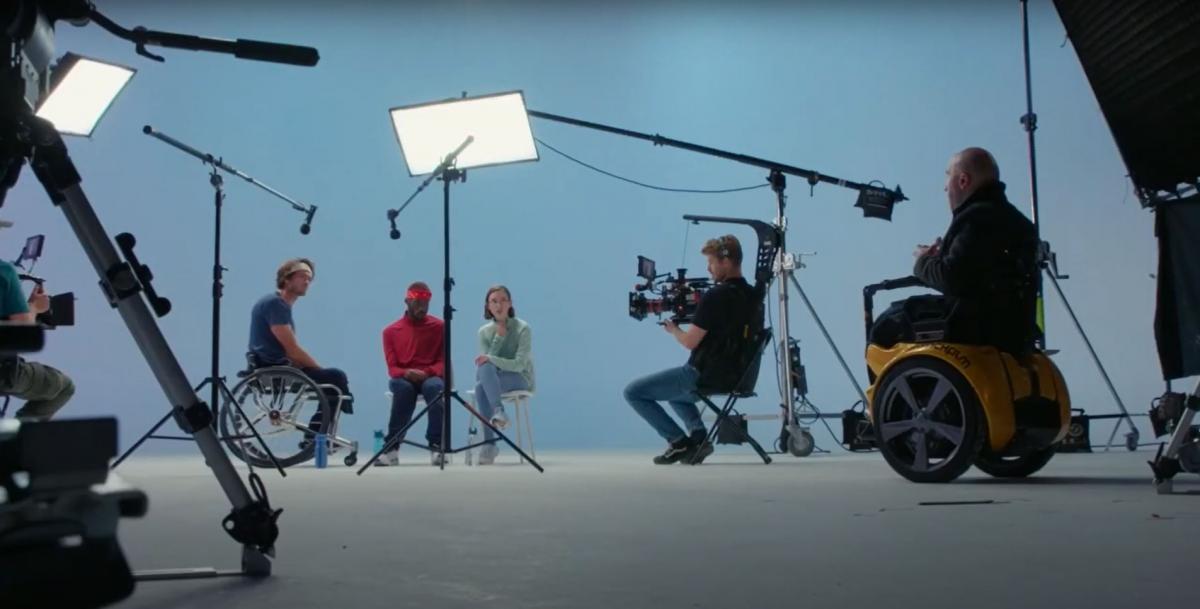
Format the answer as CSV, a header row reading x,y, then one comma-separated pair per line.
x,y
928,420
285,407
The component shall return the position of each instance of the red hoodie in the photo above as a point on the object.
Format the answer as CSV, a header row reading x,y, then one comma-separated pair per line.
x,y
411,345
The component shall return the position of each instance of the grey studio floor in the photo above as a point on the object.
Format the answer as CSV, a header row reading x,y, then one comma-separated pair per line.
x,y
612,530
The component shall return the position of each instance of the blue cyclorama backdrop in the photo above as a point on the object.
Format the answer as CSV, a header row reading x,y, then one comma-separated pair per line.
x,y
861,91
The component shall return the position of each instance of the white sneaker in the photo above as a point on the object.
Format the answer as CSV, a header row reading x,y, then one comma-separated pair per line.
x,y
391,457
499,419
435,458
487,454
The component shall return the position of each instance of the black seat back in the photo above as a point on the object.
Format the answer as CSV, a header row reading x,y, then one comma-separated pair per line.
x,y
749,364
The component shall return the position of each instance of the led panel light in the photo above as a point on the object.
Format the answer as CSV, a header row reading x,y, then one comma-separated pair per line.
x,y
85,89
498,122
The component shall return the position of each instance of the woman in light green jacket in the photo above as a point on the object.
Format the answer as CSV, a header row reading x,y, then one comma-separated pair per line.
x,y
505,362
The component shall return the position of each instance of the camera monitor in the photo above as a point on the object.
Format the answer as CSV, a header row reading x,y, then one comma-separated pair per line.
x,y
33,247
646,268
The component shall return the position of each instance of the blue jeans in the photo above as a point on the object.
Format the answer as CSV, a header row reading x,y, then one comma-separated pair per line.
x,y
404,401
678,387
329,376
490,382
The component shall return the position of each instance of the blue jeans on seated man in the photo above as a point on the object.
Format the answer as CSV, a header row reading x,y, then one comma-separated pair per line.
x,y
676,386
404,401
490,383
337,378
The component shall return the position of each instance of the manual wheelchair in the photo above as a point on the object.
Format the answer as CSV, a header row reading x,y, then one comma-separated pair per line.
x,y
287,409
938,407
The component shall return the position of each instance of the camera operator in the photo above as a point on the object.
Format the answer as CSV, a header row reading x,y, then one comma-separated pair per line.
x,y
717,339
986,264
44,389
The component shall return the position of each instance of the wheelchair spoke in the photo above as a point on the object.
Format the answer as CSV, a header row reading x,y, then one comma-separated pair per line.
x,y
940,391
263,408
890,431
947,431
921,458
294,409
240,423
907,395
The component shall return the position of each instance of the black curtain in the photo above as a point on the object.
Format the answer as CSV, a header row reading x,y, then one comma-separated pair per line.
x,y
1177,320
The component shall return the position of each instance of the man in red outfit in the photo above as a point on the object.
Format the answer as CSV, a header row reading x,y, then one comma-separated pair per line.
x,y
416,360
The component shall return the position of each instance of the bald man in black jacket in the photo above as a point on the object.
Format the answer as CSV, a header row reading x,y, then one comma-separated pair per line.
x,y
986,264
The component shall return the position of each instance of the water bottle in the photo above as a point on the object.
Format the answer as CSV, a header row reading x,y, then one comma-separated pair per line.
x,y
322,451
472,438
378,440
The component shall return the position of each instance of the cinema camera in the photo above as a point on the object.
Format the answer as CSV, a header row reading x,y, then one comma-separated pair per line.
x,y
676,295
59,505
62,306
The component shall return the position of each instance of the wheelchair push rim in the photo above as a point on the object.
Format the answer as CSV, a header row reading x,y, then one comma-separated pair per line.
x,y
284,406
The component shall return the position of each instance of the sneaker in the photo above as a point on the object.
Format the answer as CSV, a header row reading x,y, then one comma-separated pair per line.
x,y
487,454
391,457
675,451
697,453
499,419
437,458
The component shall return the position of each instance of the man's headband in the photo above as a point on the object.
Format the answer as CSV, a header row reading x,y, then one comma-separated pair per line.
x,y
419,294
299,266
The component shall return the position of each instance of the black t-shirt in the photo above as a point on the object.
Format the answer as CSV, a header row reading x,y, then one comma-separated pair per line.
x,y
727,314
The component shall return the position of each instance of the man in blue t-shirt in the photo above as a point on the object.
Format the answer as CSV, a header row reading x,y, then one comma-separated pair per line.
x,y
44,389
273,332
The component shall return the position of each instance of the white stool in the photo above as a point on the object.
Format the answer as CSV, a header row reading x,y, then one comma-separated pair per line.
x,y
520,402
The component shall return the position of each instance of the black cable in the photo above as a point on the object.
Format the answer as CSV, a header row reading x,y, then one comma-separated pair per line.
x,y
643,184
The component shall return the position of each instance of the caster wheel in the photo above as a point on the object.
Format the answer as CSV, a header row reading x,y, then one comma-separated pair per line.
x,y
1131,441
800,444
350,459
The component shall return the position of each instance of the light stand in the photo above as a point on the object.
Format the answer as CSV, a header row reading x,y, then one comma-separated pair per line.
x,y
1047,260
447,173
876,201
219,390
496,128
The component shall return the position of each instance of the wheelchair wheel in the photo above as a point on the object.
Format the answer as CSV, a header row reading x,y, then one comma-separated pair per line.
x,y
1013,467
928,420
285,407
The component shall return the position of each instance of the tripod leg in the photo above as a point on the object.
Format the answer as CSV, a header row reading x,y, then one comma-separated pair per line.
x,y
488,424
393,440
228,396
829,339
1166,464
257,530
1100,366
141,440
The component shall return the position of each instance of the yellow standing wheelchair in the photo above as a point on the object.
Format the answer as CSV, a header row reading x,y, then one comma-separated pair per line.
x,y
938,407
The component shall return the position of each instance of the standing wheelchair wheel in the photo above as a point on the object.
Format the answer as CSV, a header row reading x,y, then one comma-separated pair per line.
x,y
285,407
928,420
1019,466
